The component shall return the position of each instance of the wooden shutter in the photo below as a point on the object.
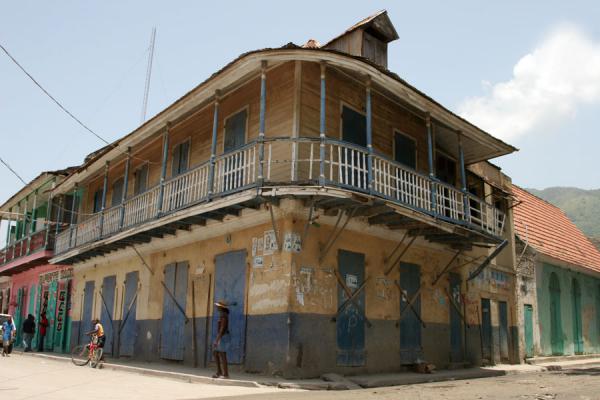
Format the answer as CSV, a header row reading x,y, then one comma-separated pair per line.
x,y
405,150
354,127
117,192
235,131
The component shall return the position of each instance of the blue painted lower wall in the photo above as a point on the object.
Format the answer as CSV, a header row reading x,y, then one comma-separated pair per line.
x,y
304,345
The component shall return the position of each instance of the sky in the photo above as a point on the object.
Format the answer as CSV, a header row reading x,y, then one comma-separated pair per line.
x,y
526,71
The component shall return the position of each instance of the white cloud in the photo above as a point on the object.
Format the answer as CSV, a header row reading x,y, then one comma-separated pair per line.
x,y
547,86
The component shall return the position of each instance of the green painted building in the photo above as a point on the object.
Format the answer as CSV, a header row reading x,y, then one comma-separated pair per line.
x,y
558,275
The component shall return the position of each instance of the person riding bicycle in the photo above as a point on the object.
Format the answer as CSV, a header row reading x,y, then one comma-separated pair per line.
x,y
98,331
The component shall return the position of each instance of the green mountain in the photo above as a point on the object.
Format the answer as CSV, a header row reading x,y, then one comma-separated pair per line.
x,y
581,206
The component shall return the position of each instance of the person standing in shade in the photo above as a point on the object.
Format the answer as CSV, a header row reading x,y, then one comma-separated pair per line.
x,y
28,331
43,325
221,344
8,332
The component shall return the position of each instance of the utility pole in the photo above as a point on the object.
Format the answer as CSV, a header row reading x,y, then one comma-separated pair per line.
x,y
148,75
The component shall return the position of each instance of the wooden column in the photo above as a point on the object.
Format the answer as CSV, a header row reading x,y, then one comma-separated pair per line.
x,y
23,231
369,136
8,228
463,177
163,171
213,147
430,160
72,226
261,122
322,126
49,214
104,190
16,226
125,187
33,218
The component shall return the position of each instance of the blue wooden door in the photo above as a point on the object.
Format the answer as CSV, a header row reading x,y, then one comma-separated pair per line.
x,y
51,315
230,286
410,326
456,323
350,322
577,325
528,330
128,324
107,299
503,322
172,341
86,315
556,332
486,329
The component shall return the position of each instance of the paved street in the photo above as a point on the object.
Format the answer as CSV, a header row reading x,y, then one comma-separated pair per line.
x,y
23,377
32,377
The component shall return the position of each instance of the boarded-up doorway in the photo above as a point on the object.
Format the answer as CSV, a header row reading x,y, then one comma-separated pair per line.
x,y
172,339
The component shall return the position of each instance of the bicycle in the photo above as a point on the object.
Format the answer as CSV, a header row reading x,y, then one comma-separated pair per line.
x,y
82,354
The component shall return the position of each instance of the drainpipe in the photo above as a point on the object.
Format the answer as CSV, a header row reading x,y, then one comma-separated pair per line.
x,y
322,126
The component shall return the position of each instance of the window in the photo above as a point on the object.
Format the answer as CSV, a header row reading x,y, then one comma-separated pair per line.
x,y
354,127
98,201
235,131
405,150
445,169
141,179
179,163
117,192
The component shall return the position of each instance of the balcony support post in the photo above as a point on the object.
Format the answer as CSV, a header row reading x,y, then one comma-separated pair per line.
x,y
322,126
16,229
163,171
49,215
432,178
213,147
104,190
261,124
33,218
463,178
24,229
72,226
369,137
125,188
8,228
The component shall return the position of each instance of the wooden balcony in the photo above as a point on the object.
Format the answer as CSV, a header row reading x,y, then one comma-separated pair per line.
x,y
293,163
35,244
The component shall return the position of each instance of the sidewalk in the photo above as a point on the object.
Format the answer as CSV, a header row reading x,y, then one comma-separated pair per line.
x,y
336,382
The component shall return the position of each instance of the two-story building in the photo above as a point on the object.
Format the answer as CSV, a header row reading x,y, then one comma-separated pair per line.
x,y
349,220
31,285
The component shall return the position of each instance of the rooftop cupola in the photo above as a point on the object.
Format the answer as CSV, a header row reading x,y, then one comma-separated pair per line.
x,y
368,38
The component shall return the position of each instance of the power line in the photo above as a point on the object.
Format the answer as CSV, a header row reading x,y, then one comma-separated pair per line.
x,y
70,114
12,170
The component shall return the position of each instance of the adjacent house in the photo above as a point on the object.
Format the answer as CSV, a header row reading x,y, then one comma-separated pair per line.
x,y
352,222
29,284
558,274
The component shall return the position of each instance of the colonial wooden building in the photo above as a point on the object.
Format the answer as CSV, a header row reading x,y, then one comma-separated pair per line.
x,y
32,285
558,272
351,221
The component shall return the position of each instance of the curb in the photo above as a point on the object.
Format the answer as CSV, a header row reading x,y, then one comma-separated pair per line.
x,y
190,378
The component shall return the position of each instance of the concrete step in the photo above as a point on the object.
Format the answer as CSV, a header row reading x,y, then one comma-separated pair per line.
x,y
557,359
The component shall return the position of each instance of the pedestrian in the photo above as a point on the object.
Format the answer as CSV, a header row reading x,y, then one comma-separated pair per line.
x,y
42,331
8,333
221,344
28,331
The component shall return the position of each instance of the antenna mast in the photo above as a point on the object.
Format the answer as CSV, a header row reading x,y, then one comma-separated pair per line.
x,y
148,75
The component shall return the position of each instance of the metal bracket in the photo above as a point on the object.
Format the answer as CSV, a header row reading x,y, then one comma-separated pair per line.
x,y
389,266
277,241
336,232
445,269
489,258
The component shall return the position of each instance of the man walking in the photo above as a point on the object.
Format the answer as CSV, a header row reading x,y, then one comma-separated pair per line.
x,y
43,325
28,331
8,333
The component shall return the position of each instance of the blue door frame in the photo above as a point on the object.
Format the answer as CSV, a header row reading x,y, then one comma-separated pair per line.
x,y
230,286
350,322
410,326
128,334
172,341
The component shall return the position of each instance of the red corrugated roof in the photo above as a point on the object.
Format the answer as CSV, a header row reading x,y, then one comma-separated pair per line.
x,y
549,231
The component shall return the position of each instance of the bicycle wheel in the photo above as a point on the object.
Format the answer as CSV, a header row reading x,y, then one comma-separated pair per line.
x,y
96,357
80,355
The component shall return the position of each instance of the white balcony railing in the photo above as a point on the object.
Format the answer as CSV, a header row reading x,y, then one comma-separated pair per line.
x,y
292,161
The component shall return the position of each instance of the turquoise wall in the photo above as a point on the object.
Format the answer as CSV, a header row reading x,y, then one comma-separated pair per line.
x,y
590,309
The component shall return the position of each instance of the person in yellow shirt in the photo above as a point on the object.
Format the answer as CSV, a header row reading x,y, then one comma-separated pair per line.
x,y
98,331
